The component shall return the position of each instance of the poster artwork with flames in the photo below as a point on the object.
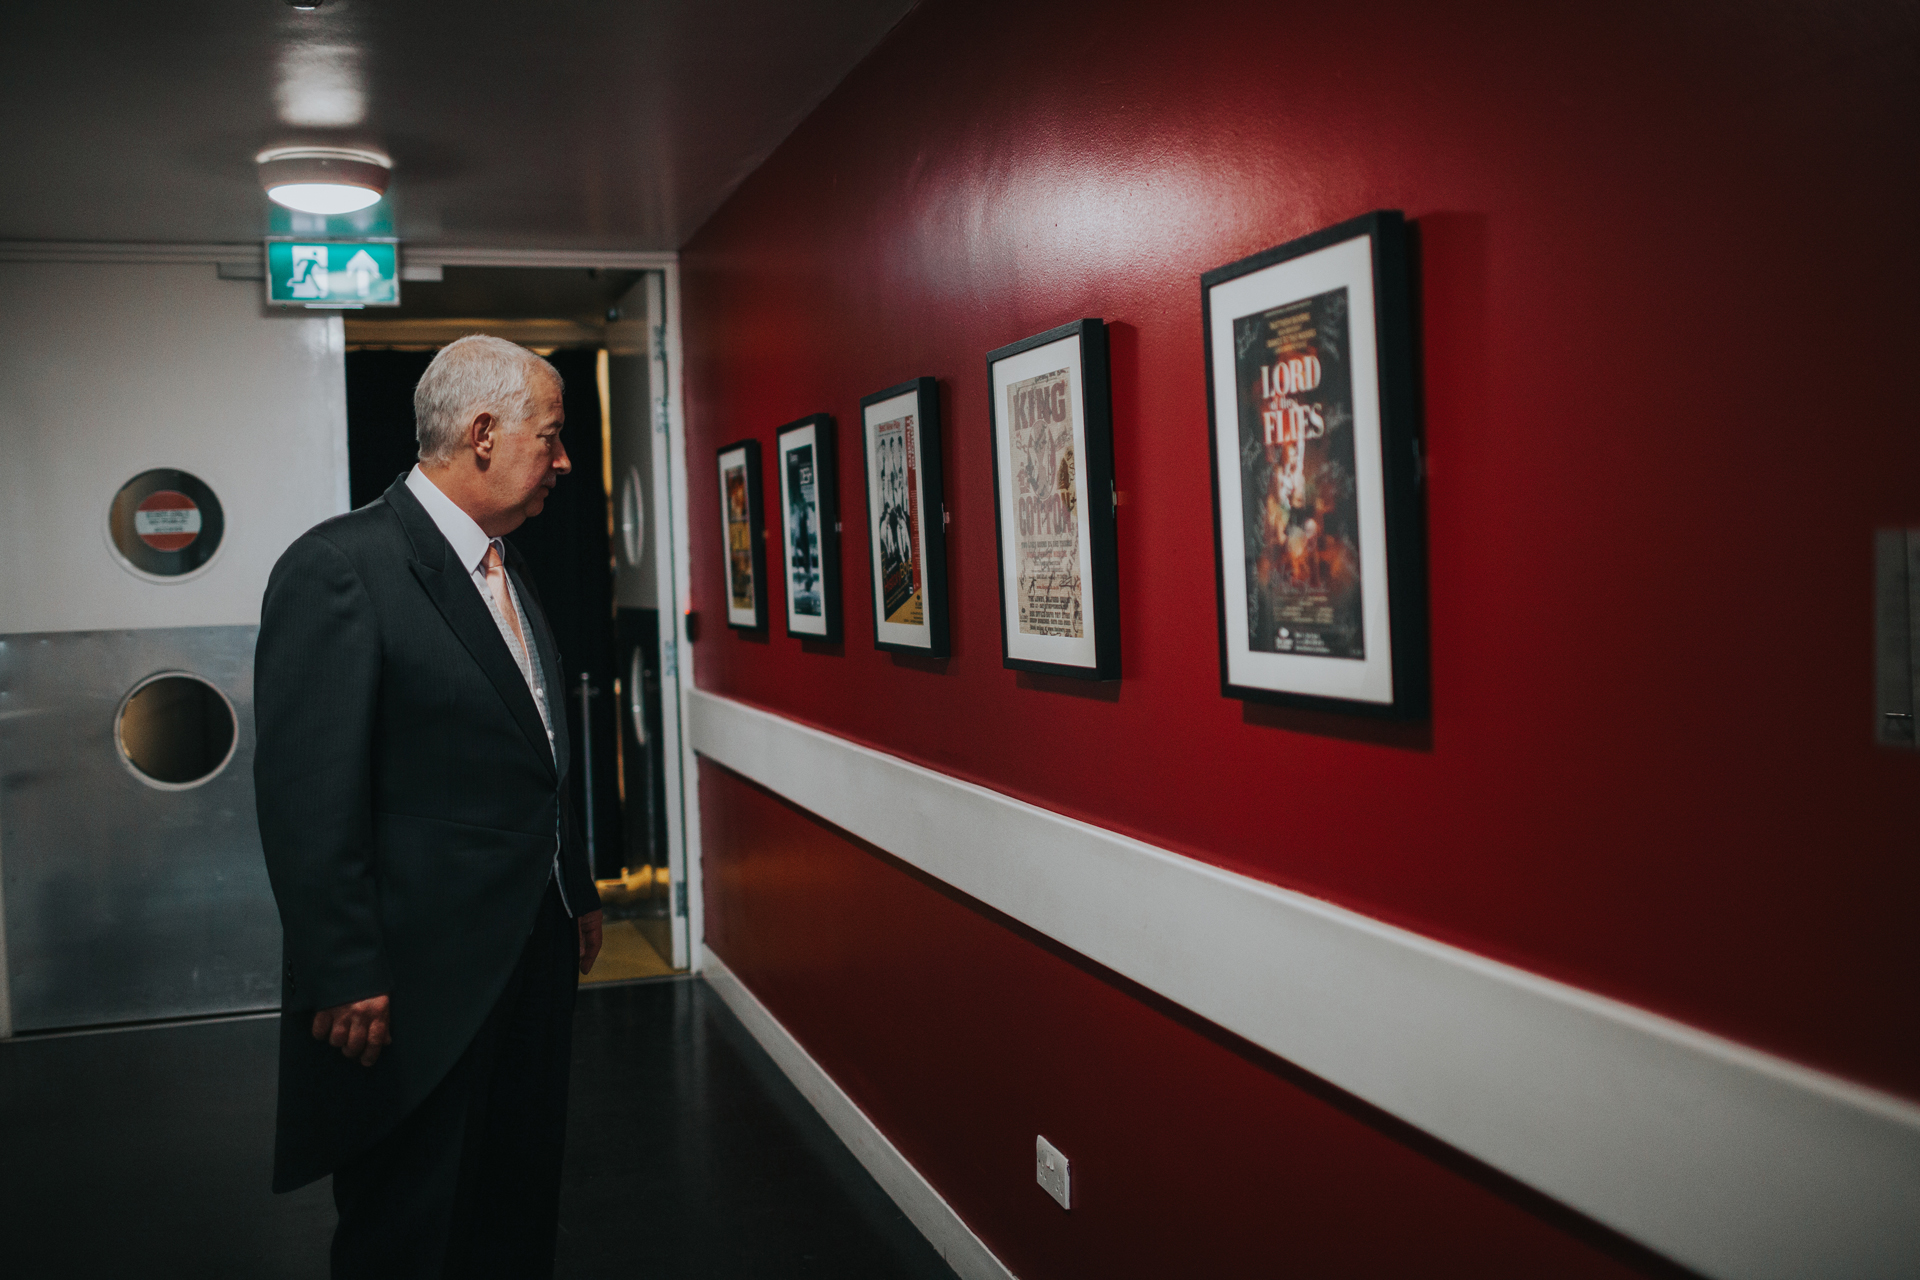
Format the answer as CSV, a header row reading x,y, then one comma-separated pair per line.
x,y
903,592
739,539
1299,508
1046,528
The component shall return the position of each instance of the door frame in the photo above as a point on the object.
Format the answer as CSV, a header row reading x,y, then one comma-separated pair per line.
x,y
672,553
672,558
243,260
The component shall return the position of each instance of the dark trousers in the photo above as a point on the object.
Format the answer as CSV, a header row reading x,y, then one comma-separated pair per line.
x,y
468,1185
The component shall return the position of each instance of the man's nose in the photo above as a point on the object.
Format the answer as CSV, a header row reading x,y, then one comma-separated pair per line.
x,y
562,464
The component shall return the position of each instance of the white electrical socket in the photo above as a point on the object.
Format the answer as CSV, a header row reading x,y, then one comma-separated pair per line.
x,y
1050,1171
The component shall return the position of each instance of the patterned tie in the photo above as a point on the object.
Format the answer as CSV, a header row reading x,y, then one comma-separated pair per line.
x,y
497,583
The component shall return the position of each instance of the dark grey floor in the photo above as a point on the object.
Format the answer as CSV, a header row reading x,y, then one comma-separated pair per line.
x,y
145,1152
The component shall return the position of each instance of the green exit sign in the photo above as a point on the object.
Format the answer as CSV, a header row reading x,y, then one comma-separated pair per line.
x,y
333,273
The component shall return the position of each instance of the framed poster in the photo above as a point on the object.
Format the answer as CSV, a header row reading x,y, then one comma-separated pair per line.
x,y
809,527
743,535
906,517
1318,549
1053,503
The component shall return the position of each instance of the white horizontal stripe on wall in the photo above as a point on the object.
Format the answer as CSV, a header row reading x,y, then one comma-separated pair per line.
x,y
1728,1160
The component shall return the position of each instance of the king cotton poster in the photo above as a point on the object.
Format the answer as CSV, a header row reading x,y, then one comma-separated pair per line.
x,y
1053,502
1047,584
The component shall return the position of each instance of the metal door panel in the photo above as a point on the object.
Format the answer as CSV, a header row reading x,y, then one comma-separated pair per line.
x,y
123,901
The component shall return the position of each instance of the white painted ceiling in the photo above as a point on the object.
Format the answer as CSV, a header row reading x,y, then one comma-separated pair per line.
x,y
591,124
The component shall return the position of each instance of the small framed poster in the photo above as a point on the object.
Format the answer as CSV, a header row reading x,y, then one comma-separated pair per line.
x,y
1319,556
743,535
906,517
810,527
1053,503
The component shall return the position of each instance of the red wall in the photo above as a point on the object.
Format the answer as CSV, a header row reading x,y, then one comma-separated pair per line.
x,y
1666,309
1194,1155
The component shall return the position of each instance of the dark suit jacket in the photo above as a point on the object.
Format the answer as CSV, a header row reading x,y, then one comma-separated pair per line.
x,y
407,805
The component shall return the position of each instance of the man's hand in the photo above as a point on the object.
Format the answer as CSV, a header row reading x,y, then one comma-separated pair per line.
x,y
589,941
359,1030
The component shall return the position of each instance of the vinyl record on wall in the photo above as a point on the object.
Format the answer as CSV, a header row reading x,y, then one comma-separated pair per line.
x,y
165,522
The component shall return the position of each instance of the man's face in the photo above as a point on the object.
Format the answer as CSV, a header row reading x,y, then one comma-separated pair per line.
x,y
528,458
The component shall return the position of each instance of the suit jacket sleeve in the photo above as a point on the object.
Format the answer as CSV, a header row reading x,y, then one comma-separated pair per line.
x,y
316,688
577,876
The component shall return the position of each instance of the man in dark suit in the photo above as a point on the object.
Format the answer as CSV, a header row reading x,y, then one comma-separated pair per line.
x,y
411,773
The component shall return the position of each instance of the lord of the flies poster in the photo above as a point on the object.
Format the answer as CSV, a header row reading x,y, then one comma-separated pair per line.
x,y
1299,511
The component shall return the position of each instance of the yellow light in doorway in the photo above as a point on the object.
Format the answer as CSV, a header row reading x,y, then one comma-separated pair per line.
x,y
606,434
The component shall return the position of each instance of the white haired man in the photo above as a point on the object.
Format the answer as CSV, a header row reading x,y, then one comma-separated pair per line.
x,y
411,778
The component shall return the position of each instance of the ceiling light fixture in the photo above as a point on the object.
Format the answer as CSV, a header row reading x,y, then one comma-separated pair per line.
x,y
325,180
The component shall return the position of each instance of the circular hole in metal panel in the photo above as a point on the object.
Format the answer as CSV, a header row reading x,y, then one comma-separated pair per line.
x,y
633,517
166,523
175,730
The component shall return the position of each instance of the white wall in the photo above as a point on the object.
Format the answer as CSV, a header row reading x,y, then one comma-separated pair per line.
x,y
109,369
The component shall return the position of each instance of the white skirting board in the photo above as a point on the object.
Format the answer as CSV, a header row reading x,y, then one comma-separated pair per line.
x,y
924,1207
1728,1160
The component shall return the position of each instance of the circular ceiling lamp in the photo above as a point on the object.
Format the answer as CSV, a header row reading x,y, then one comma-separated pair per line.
x,y
324,180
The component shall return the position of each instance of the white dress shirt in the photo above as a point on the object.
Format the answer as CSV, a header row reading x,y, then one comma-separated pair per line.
x,y
470,542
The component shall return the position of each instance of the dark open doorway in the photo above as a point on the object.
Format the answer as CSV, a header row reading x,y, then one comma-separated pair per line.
x,y
614,713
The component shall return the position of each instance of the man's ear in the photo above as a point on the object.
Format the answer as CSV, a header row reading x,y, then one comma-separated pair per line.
x,y
480,434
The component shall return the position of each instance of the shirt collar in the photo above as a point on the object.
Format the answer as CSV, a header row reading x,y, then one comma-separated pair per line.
x,y
469,540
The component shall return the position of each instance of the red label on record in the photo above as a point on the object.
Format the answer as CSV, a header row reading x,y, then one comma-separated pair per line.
x,y
167,521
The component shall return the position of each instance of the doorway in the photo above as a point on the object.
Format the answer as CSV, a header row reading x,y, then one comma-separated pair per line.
x,y
601,555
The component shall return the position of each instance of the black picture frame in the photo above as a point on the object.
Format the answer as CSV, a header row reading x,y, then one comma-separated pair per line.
x,y
900,451
809,526
740,462
1040,388
1305,610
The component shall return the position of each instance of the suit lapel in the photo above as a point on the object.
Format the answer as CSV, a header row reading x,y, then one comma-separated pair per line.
x,y
452,592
